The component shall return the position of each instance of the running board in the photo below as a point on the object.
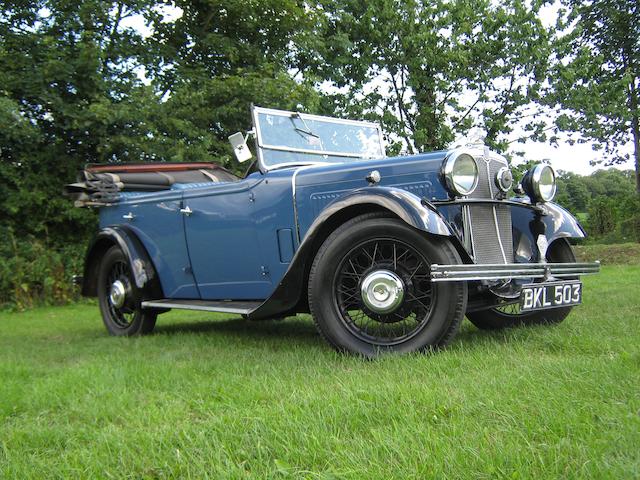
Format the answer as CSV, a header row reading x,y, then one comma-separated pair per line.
x,y
238,307
457,273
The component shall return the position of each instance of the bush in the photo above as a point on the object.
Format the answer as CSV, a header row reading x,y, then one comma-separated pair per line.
x,y
33,273
614,220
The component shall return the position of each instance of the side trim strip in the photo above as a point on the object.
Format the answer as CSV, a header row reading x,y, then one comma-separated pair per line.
x,y
243,308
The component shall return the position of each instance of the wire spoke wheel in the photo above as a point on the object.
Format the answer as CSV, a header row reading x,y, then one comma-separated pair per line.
x,y
119,298
370,289
123,316
366,312
509,309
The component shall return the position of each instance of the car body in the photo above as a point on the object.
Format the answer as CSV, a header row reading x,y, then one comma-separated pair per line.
x,y
255,245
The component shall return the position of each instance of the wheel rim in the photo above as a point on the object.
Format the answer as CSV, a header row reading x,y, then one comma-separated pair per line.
x,y
510,309
119,299
383,291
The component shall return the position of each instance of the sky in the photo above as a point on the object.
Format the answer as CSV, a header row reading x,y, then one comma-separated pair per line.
x,y
577,158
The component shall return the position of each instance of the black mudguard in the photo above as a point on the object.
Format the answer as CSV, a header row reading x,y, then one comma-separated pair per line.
x,y
144,273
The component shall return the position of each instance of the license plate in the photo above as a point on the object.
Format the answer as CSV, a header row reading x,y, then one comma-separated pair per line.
x,y
541,296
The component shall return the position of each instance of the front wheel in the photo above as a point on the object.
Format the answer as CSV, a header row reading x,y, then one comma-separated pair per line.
x,y
370,290
510,315
120,299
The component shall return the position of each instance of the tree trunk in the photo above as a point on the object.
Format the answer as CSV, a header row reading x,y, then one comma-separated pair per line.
x,y
635,127
636,151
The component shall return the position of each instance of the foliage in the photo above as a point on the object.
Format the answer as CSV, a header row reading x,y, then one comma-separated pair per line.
x,y
33,273
431,70
608,199
78,84
597,75
211,396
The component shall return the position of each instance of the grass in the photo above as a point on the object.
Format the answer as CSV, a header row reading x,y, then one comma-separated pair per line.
x,y
216,397
617,253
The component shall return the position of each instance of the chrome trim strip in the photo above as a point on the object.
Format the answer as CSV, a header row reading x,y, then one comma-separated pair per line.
x,y
468,230
465,200
464,272
495,223
205,308
312,152
293,195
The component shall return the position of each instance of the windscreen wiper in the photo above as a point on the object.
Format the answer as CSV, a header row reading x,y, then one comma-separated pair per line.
x,y
306,130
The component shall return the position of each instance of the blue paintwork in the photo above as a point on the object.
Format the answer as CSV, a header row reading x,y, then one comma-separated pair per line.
x,y
243,236
160,227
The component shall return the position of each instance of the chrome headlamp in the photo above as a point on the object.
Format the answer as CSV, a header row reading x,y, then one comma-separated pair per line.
x,y
460,172
539,183
504,179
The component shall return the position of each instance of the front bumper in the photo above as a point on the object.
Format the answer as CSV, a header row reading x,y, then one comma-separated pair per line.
x,y
464,272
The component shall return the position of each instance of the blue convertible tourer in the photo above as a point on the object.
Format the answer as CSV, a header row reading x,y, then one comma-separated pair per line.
x,y
387,254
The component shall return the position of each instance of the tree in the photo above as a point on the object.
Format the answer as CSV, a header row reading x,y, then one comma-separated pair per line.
x,y
602,216
79,84
429,70
215,61
69,92
597,76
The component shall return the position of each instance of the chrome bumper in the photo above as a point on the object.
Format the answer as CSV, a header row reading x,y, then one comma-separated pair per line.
x,y
458,273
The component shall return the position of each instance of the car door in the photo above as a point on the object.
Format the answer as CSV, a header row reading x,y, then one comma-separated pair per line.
x,y
220,228
156,220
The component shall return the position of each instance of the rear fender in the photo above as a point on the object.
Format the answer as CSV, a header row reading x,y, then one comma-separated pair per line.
x,y
144,273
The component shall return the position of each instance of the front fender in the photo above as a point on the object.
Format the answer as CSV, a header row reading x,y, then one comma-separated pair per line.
x,y
561,224
140,264
403,204
549,219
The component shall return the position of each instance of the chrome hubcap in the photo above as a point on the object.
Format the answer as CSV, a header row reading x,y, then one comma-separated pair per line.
x,y
117,294
382,291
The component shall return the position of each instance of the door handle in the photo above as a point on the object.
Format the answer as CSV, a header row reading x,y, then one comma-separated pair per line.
x,y
128,216
186,211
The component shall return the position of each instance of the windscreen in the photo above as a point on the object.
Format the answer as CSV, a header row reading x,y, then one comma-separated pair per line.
x,y
287,138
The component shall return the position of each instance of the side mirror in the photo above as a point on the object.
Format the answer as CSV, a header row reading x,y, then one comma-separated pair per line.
x,y
240,148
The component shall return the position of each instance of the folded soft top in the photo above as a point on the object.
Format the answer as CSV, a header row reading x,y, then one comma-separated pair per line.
x,y
101,184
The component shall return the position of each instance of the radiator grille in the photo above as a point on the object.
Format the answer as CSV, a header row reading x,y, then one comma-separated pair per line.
x,y
490,225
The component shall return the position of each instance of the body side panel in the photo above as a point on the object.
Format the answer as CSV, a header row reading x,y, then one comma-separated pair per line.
x,y
158,223
222,240
316,188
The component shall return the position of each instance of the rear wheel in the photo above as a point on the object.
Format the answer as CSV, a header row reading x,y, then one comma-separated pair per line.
x,y
120,299
510,315
370,289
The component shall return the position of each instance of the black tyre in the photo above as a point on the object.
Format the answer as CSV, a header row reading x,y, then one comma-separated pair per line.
x,y
507,316
370,290
120,299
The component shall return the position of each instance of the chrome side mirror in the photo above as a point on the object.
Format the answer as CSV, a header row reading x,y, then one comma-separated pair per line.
x,y
240,148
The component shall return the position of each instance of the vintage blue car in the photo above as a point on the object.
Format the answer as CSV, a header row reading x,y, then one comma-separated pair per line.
x,y
387,254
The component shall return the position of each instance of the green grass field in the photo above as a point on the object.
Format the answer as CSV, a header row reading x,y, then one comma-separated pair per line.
x,y
217,397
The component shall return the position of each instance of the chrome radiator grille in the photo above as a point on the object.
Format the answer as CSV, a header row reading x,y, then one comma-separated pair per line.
x,y
489,225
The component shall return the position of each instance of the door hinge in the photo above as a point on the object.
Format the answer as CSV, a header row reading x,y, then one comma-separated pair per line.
x,y
252,197
264,270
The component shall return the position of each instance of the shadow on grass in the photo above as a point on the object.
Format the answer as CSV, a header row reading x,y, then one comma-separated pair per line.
x,y
292,329
302,331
